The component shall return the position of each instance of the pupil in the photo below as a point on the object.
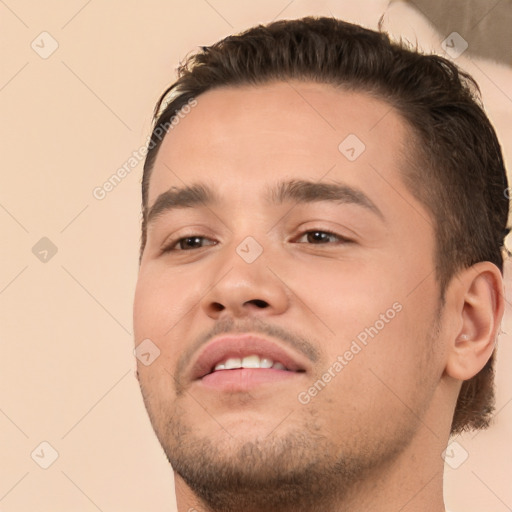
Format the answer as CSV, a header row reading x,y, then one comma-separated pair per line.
x,y
318,236
192,241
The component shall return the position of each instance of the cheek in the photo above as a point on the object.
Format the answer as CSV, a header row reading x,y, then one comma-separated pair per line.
x,y
162,304
383,383
162,300
341,298
156,312
394,367
367,320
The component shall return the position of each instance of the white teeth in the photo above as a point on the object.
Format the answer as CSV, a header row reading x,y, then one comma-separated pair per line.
x,y
252,361
233,362
266,363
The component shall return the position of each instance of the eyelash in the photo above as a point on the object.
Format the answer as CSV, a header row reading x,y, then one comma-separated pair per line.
x,y
173,243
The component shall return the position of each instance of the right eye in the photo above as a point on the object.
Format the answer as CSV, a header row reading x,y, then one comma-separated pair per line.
x,y
186,243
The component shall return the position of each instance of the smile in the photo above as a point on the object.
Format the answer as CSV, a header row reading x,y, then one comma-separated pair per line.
x,y
252,361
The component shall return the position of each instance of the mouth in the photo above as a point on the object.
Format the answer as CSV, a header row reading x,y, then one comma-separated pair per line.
x,y
253,361
240,362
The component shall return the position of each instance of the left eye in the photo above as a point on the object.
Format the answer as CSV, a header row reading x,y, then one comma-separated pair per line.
x,y
317,237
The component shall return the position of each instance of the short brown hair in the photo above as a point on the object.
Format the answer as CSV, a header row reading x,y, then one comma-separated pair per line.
x,y
456,165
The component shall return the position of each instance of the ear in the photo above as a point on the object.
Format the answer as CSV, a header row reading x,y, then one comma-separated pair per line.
x,y
479,301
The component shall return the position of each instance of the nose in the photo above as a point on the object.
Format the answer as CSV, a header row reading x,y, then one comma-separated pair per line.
x,y
244,287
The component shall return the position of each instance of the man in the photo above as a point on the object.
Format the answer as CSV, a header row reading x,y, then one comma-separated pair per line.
x,y
321,271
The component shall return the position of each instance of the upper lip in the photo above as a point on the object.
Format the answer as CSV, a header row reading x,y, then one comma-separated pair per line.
x,y
221,348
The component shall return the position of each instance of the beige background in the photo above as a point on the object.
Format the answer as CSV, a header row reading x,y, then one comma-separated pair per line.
x,y
68,122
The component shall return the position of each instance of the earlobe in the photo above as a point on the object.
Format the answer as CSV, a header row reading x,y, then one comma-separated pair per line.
x,y
480,304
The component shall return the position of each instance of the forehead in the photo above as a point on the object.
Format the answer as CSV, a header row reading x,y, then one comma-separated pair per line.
x,y
236,138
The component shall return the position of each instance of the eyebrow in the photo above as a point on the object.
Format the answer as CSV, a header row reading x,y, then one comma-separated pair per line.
x,y
297,191
182,197
303,191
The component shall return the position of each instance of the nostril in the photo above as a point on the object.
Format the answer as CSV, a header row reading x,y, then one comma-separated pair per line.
x,y
259,303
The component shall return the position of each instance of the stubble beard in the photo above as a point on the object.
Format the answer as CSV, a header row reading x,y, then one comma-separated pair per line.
x,y
295,468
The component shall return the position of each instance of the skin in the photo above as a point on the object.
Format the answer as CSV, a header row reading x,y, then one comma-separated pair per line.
x,y
372,438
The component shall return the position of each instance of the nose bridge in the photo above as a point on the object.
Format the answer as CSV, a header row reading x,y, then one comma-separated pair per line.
x,y
243,279
248,238
244,261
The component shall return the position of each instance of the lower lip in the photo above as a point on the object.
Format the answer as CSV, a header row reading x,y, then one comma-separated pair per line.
x,y
243,379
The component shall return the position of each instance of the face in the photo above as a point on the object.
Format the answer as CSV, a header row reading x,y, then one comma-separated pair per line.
x,y
308,251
